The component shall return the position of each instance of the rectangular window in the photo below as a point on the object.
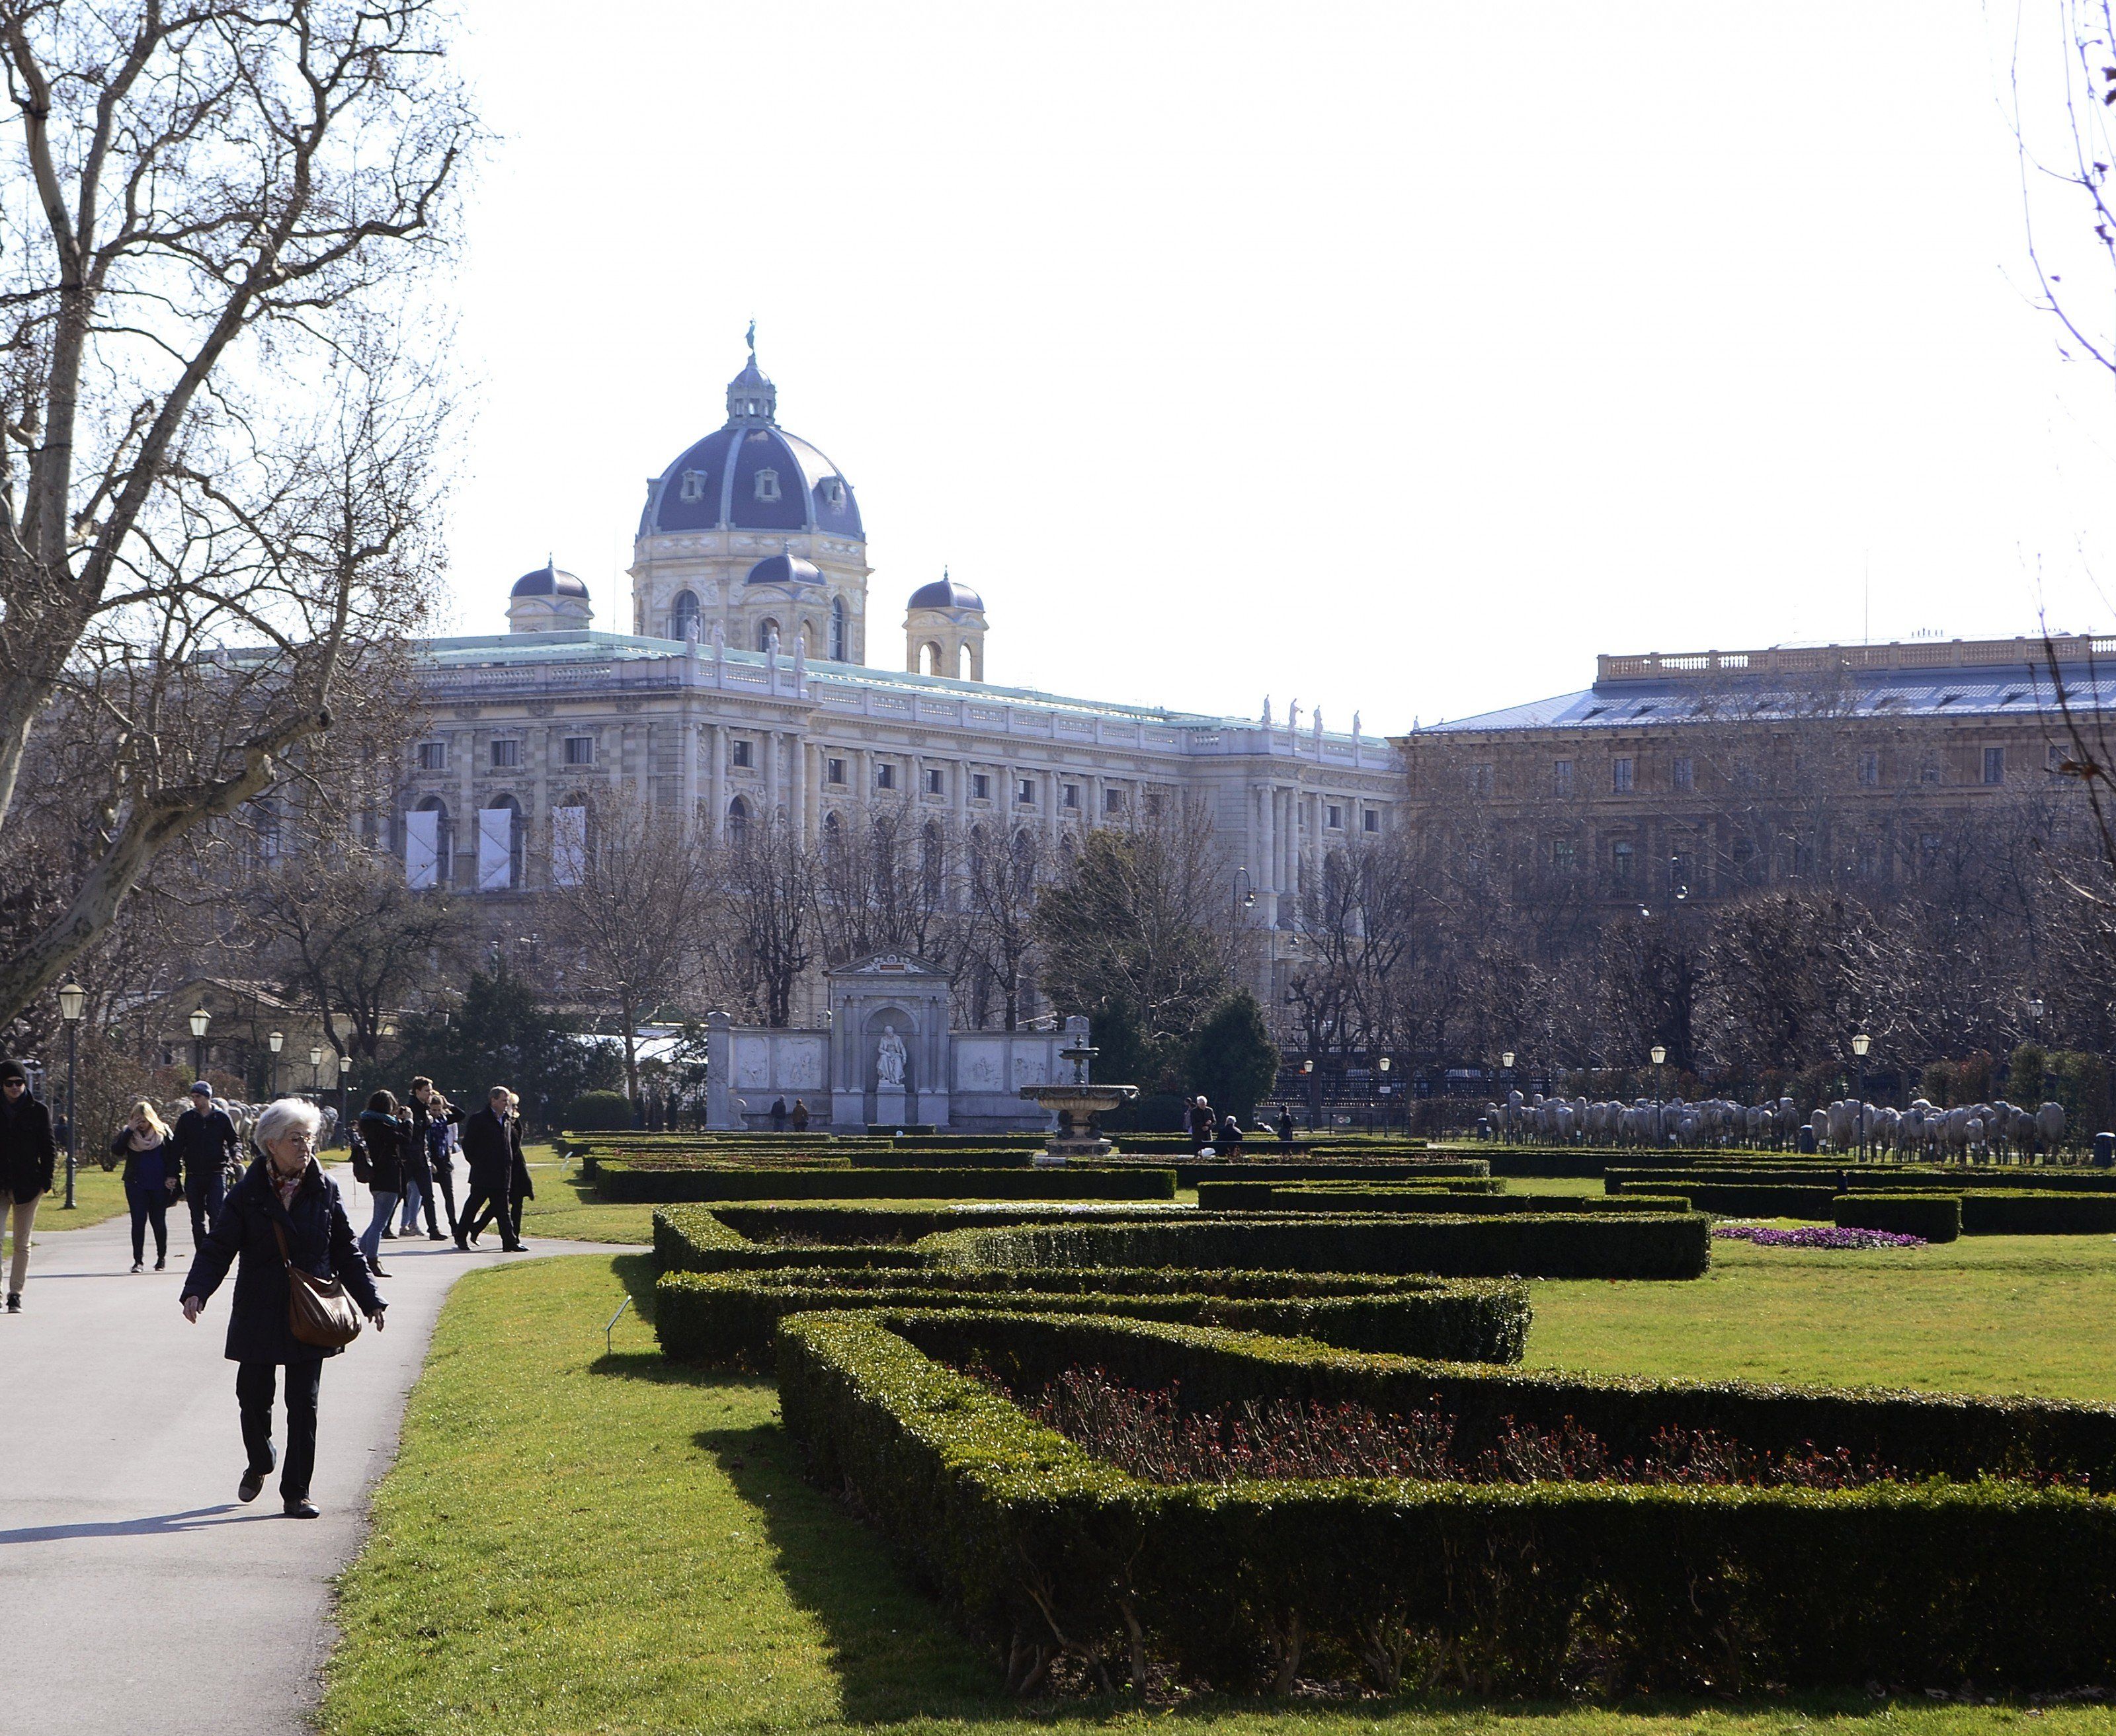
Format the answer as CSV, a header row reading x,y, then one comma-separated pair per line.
x,y
1564,858
884,776
981,786
1153,804
506,755
1869,768
1620,776
743,754
1073,796
1481,780
580,750
1113,801
1560,777
433,757
1371,820
1620,863
1685,772
1026,795
833,771
1334,818
1995,765
937,781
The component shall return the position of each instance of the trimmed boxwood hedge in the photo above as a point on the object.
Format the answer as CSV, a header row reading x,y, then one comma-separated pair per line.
x,y
1650,1246
1935,1216
731,1318
1267,1196
689,1238
631,1181
1991,1211
760,1237
1046,1551
903,1221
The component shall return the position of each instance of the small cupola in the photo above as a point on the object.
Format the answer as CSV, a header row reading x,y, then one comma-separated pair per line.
x,y
549,601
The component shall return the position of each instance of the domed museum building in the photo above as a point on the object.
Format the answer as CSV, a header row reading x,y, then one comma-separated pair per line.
x,y
741,694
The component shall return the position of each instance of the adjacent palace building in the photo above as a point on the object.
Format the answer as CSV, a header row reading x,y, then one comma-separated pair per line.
x,y
743,691
1708,773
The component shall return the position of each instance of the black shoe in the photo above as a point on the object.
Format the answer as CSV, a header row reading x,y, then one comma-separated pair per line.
x,y
377,1271
162,1264
518,1247
462,1246
301,1507
390,1235
253,1479
138,1267
435,1236
14,1301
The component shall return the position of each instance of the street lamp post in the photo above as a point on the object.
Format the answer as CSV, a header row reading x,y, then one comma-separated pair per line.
x,y
276,1041
71,997
1507,1118
201,1018
1244,894
1659,1053
316,1062
1384,1065
1860,1044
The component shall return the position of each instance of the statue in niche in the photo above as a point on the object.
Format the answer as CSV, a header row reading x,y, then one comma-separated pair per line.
x,y
889,1059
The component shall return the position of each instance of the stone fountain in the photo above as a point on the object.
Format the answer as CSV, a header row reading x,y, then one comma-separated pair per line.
x,y
1076,1105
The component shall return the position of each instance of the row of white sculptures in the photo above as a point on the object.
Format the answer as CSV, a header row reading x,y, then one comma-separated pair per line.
x,y
1998,1129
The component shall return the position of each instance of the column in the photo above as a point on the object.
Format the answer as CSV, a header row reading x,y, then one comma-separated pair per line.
x,y
767,748
463,744
716,780
690,797
643,771
802,752
1057,799
609,743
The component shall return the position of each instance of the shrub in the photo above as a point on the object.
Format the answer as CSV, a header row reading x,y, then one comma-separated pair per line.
x,y
617,1180
1266,1196
1992,1211
1936,1217
689,1238
1530,1246
599,1110
1539,1587
904,1221
732,1317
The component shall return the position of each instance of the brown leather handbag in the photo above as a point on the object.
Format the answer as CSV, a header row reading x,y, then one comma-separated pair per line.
x,y
319,1310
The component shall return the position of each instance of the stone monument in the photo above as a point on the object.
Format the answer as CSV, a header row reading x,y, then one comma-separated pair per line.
x,y
1077,1105
888,1079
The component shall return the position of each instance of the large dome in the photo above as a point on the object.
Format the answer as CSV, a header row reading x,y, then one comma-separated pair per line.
x,y
751,475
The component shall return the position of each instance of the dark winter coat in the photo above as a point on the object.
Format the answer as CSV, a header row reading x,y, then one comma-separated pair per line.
x,y
203,1144
383,1137
492,1147
319,1241
423,1145
27,1150
153,1170
1201,1122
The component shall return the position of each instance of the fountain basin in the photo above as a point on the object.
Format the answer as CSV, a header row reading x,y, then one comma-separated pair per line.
x,y
1076,1107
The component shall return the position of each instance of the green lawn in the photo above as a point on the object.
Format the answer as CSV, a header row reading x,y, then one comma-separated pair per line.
x,y
570,1542
98,1195
2015,1314
564,1206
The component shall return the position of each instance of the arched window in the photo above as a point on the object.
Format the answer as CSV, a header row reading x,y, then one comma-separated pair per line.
x,y
931,662
684,620
964,670
499,845
838,653
1025,863
767,629
737,822
834,836
932,859
429,844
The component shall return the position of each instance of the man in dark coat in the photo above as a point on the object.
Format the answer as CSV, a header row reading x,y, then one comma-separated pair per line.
x,y
1202,1125
284,1193
28,1155
204,1142
430,1112
492,1148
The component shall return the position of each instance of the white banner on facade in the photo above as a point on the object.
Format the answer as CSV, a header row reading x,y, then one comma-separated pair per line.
x,y
495,849
422,849
569,845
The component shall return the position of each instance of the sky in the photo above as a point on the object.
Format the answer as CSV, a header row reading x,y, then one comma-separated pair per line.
x,y
1395,358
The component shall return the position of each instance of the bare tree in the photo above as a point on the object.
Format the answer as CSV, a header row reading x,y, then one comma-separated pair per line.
x,y
628,890
760,924
883,887
1000,875
205,419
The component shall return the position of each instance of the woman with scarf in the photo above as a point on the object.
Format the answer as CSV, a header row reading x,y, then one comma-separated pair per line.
x,y
151,1180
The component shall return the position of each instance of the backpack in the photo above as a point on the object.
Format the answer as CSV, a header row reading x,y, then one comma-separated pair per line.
x,y
363,1166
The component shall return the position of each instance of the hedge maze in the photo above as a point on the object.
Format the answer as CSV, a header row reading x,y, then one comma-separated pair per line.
x,y
1283,1434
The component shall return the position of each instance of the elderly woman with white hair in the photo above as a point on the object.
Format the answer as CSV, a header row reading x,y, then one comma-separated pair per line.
x,y
285,1210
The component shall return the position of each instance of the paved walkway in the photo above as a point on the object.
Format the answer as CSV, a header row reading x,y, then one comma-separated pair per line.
x,y
144,1595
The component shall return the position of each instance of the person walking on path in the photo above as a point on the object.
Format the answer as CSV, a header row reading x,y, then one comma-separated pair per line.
x,y
285,1194
431,1115
520,1190
151,1180
492,1147
205,1146
383,1134
28,1155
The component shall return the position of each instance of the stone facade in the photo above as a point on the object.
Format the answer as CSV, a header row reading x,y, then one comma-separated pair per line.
x,y
723,708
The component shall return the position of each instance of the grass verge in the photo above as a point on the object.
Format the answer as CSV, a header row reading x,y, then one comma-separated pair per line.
x,y
571,1541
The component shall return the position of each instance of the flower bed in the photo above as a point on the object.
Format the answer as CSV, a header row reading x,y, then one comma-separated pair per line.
x,y
1814,1235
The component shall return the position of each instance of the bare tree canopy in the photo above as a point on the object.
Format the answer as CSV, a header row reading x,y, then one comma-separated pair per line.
x,y
218,423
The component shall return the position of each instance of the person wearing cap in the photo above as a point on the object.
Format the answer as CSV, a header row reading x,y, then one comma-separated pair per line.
x,y
204,1144
28,1155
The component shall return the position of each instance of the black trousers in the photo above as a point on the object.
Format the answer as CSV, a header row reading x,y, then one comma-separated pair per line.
x,y
149,1206
204,1193
444,1180
488,1198
254,1384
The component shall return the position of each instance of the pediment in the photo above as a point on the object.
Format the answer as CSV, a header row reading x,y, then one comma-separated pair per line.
x,y
889,966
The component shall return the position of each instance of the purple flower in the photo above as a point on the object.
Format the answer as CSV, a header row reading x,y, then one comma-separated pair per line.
x,y
1814,1235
